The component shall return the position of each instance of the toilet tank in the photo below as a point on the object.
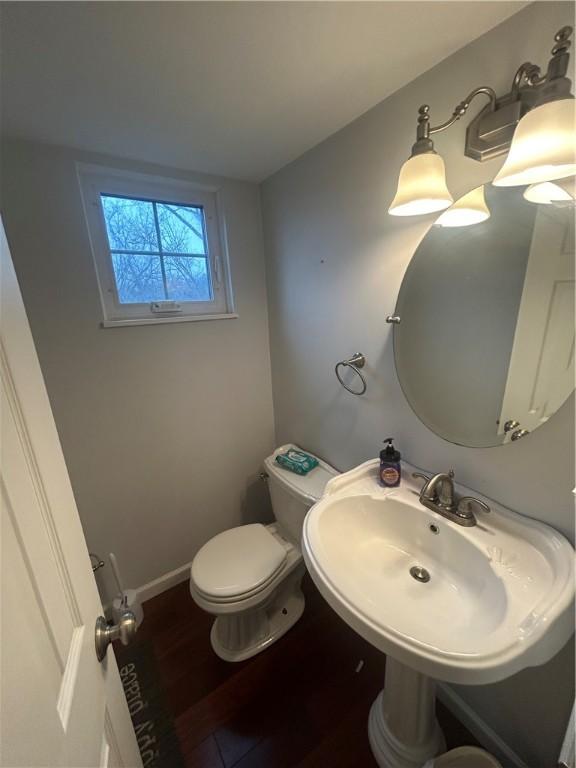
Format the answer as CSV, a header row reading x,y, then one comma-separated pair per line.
x,y
292,495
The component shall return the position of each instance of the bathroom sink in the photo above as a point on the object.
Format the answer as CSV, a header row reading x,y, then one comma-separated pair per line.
x,y
465,605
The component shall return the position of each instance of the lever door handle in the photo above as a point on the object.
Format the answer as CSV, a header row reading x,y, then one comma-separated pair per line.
x,y
105,633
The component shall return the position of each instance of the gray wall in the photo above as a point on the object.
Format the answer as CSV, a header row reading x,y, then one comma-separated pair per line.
x,y
163,426
335,262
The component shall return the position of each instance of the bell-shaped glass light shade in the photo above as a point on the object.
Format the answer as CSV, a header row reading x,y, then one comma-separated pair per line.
x,y
469,209
543,147
547,192
421,187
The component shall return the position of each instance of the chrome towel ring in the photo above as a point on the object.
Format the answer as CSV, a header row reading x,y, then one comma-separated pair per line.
x,y
356,362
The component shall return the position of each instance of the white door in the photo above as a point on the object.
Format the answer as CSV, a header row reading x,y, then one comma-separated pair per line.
x,y
541,372
59,705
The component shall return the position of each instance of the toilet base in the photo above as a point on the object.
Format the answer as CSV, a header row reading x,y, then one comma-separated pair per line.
x,y
239,636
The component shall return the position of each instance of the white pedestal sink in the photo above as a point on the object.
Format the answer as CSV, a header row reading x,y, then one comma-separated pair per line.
x,y
495,598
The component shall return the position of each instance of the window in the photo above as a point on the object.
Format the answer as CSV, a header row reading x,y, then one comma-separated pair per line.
x,y
156,246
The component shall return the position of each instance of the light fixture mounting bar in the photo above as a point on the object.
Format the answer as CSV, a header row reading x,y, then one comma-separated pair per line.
x,y
462,107
490,132
425,130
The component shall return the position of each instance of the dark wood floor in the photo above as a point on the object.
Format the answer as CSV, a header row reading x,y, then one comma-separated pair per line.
x,y
303,703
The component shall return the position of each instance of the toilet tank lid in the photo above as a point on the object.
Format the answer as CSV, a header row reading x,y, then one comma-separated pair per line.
x,y
309,487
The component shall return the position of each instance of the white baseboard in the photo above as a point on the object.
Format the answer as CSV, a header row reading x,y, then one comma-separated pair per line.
x,y
164,582
479,728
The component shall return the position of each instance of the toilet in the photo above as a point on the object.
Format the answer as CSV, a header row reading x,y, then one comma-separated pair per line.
x,y
464,757
249,577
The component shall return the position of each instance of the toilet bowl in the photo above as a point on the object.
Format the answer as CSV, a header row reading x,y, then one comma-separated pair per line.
x,y
464,757
249,577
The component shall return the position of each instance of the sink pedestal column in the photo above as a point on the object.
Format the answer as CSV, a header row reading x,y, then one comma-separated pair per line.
x,y
402,727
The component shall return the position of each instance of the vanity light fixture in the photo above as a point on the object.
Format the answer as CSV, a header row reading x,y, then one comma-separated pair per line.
x,y
543,147
534,122
467,210
547,192
422,185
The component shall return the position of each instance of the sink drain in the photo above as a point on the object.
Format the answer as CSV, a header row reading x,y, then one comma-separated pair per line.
x,y
419,573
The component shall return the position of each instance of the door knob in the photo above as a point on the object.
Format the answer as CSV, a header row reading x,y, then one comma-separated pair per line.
x,y
510,425
106,633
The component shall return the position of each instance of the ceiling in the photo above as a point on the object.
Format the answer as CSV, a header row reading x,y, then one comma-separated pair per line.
x,y
232,88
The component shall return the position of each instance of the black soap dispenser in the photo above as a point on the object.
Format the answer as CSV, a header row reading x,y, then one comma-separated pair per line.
x,y
390,468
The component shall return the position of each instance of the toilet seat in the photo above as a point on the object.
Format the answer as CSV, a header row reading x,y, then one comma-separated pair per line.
x,y
238,563
249,578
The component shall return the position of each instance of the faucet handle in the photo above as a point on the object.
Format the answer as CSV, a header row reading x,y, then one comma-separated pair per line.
x,y
451,474
467,502
424,477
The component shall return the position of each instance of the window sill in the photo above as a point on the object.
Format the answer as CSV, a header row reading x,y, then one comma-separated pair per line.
x,y
163,320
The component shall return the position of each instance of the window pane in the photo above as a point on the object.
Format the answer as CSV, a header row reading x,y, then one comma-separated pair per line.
x,y
181,228
187,278
138,278
129,224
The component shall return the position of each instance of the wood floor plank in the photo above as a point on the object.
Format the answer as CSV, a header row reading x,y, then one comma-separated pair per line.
x,y
270,676
345,746
303,703
205,755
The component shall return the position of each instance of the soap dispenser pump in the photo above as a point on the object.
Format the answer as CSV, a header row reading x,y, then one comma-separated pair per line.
x,y
390,469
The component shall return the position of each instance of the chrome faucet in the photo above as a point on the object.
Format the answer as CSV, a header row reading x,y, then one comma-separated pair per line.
x,y
438,494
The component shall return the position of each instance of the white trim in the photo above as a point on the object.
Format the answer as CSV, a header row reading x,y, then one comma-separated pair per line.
x,y
164,582
41,509
124,173
94,181
157,586
161,320
479,728
567,757
70,676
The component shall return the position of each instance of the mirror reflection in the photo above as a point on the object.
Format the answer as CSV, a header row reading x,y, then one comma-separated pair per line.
x,y
485,347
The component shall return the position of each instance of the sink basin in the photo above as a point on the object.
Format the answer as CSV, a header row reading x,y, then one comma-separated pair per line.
x,y
466,605
483,602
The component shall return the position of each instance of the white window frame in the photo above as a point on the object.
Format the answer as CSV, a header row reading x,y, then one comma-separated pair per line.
x,y
98,180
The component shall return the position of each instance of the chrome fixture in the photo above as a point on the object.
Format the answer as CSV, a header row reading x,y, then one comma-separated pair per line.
x,y
356,362
512,426
534,123
394,319
420,574
438,494
105,633
97,563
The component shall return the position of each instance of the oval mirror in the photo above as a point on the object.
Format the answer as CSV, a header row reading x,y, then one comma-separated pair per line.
x,y
485,347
